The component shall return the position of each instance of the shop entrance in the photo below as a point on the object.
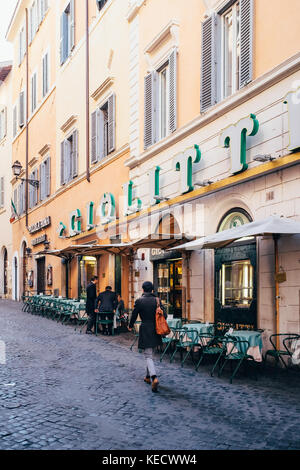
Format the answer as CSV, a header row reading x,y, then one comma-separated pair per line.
x,y
168,277
88,269
235,287
41,267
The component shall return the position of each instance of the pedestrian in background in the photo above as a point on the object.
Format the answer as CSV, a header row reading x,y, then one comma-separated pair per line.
x,y
90,306
108,303
146,307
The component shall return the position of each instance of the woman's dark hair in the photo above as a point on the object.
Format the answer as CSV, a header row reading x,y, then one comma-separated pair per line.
x,y
147,286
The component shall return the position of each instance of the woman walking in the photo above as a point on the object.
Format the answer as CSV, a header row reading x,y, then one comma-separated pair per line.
x,y
146,306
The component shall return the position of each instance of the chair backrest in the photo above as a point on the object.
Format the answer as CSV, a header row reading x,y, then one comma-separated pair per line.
x,y
187,334
289,343
286,339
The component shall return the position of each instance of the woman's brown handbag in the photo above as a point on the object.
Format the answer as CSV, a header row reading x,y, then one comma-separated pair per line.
x,y
162,327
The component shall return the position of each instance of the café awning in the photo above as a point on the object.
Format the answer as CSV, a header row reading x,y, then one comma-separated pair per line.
x,y
163,241
271,226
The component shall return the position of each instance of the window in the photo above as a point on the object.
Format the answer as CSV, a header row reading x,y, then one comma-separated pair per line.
x,y
22,109
227,52
69,158
33,191
37,13
236,284
21,198
231,50
3,123
67,31
2,192
100,4
33,92
46,74
16,200
22,44
160,106
44,171
15,120
103,130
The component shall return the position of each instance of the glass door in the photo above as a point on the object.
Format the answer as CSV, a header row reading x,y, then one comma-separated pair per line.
x,y
169,274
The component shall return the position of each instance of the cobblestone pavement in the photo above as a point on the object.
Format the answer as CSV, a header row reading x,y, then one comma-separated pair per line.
x,y
63,390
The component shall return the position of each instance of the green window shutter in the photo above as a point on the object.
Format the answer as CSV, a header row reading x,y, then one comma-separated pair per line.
x,y
173,91
246,62
112,123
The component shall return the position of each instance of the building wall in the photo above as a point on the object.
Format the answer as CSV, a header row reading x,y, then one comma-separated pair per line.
x,y
5,171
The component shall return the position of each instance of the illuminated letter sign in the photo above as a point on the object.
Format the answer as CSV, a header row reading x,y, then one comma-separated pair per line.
x,y
234,137
107,208
129,206
75,223
183,162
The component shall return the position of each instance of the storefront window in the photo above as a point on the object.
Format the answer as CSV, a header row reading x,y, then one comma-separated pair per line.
x,y
170,286
236,284
234,219
88,269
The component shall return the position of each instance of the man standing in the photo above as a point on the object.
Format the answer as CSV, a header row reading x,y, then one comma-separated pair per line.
x,y
108,304
90,306
146,306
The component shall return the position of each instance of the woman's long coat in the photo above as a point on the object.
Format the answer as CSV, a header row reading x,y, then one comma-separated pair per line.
x,y
145,306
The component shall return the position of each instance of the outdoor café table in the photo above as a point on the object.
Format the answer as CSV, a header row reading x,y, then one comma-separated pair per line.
x,y
174,322
254,339
201,328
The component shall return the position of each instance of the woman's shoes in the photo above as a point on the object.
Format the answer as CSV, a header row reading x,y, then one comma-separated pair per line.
x,y
155,384
147,380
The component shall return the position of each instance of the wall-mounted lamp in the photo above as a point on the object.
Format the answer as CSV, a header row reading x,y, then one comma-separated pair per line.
x,y
46,244
17,169
264,158
28,252
203,183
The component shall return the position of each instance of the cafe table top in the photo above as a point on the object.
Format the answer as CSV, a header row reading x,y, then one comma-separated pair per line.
x,y
253,337
174,322
200,327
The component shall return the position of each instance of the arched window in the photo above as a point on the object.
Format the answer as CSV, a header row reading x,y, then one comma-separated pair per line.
x,y
234,218
168,225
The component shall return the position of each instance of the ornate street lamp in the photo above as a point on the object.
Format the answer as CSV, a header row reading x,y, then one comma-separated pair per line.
x,y
17,169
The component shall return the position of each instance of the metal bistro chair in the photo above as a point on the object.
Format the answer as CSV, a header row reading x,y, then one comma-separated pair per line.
x,y
210,346
279,354
187,340
170,340
81,317
236,350
136,333
104,322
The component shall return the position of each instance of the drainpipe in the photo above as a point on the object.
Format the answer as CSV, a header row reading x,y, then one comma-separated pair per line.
x,y
27,136
87,95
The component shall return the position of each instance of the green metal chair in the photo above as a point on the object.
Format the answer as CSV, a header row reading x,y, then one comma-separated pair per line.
x,y
187,340
82,318
236,350
136,333
210,346
170,340
104,323
279,354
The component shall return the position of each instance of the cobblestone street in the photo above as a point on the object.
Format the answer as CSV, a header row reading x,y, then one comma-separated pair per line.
x,y
63,390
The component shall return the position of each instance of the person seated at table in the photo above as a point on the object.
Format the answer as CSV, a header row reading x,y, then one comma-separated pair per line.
x,y
121,316
91,296
108,304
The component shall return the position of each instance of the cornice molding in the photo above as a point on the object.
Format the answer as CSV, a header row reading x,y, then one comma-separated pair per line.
x,y
133,11
170,29
108,82
69,123
43,150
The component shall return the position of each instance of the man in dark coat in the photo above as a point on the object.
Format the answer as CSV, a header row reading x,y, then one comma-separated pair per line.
x,y
90,306
108,304
146,306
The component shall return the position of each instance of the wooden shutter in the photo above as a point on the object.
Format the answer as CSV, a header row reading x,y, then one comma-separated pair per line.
x,y
173,91
246,62
45,74
35,193
20,47
48,177
30,189
94,156
67,161
149,109
22,109
111,123
4,123
101,144
75,154
62,163
72,24
63,38
208,63
16,200
42,181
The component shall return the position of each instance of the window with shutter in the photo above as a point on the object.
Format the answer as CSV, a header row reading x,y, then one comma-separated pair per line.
x,y
208,63
67,31
16,200
33,92
246,42
149,109
45,74
48,177
94,155
111,137
173,91
62,163
3,125
30,189
74,163
15,118
22,109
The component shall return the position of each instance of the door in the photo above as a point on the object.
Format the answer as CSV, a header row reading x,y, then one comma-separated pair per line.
x,y
5,264
235,287
168,282
41,267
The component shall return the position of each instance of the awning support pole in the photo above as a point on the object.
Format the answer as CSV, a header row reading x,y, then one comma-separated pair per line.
x,y
188,285
277,297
